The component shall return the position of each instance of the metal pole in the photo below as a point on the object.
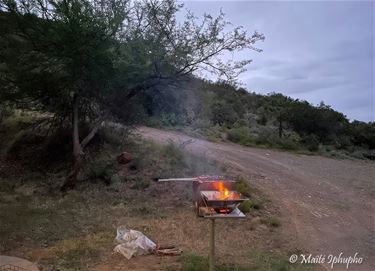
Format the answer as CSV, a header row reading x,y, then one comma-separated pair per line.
x,y
178,180
212,244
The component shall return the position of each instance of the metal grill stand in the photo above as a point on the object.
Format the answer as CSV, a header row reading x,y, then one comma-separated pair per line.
x,y
209,203
212,245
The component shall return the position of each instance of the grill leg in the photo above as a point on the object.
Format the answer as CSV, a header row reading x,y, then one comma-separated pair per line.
x,y
212,244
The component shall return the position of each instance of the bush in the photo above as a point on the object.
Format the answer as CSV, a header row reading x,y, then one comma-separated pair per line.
x,y
243,186
289,141
311,142
246,206
240,135
286,144
215,133
266,136
241,123
114,135
102,170
223,114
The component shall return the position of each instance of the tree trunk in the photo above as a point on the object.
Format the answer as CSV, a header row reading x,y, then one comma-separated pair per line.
x,y
78,147
280,126
71,179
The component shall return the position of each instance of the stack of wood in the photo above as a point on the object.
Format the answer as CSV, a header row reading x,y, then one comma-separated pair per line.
x,y
167,251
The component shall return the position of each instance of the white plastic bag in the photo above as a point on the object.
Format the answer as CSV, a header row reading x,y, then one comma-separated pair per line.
x,y
132,243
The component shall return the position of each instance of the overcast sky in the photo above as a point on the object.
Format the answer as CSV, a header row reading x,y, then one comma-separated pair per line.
x,y
316,51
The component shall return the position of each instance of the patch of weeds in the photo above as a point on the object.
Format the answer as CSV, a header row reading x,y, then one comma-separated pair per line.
x,y
271,221
17,218
243,186
102,170
76,254
192,262
142,211
72,260
139,183
146,211
115,135
249,205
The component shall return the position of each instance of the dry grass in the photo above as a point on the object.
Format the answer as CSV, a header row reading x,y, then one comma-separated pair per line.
x,y
76,231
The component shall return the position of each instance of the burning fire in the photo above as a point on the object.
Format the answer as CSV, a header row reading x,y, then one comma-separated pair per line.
x,y
224,192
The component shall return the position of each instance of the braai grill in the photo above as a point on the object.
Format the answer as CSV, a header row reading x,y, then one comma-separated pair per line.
x,y
214,196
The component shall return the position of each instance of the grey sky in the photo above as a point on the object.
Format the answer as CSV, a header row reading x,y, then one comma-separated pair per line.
x,y
316,51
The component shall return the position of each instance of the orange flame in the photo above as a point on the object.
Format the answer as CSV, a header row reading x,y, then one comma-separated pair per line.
x,y
224,192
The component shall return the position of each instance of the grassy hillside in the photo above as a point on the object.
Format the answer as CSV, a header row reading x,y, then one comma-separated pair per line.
x,y
218,111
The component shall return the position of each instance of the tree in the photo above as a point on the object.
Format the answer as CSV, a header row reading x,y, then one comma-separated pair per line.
x,y
60,59
83,60
223,114
277,105
178,49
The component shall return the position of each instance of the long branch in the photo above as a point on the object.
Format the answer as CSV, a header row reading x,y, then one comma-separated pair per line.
x,y
92,133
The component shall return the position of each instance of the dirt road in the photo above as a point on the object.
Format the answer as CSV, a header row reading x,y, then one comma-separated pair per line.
x,y
328,204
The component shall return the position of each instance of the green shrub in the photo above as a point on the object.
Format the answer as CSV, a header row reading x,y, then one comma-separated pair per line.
x,y
241,123
102,170
240,135
267,136
311,142
169,119
214,133
286,143
246,206
243,186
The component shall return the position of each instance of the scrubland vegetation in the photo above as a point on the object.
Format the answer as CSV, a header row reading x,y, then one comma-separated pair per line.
x,y
77,76
218,111
79,64
75,231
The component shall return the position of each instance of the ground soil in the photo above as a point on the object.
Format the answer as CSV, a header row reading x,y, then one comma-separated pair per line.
x,y
326,204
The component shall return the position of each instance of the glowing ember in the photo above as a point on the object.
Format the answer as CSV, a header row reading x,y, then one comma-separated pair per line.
x,y
224,210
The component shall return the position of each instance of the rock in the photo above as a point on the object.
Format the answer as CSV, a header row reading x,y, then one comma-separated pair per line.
x,y
124,158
